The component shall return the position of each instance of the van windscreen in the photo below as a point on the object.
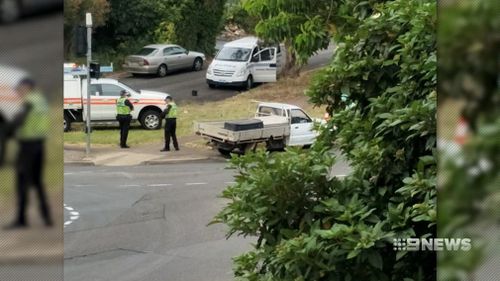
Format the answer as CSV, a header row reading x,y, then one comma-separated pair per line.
x,y
234,54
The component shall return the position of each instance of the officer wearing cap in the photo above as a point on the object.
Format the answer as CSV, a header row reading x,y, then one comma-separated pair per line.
x,y
31,127
170,114
123,109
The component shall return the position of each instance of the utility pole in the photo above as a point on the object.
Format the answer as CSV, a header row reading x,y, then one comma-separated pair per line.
x,y
88,23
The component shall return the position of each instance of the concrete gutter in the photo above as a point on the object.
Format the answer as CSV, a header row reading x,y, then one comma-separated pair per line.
x,y
181,160
80,163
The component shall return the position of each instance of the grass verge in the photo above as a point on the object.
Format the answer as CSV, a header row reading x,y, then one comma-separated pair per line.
x,y
241,106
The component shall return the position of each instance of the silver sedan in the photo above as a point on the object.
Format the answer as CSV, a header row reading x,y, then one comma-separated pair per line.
x,y
161,58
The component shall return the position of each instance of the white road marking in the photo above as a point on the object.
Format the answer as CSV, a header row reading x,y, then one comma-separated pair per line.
x,y
196,183
129,185
160,184
83,185
74,215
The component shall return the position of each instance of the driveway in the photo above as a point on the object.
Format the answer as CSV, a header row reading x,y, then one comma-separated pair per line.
x,y
181,84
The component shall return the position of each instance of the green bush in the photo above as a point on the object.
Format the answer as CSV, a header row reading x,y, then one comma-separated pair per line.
x,y
192,24
381,91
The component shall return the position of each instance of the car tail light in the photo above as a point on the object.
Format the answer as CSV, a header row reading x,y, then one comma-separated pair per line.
x,y
145,62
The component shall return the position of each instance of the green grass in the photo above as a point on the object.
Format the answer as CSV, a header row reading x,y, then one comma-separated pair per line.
x,y
240,106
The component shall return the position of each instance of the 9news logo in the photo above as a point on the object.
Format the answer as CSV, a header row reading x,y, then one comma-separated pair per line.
x,y
432,244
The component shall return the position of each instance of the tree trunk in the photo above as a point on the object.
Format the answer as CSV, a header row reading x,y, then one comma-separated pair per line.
x,y
291,68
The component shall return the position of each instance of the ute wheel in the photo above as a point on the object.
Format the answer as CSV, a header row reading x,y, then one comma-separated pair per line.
x,y
198,64
67,123
150,120
251,147
224,152
162,70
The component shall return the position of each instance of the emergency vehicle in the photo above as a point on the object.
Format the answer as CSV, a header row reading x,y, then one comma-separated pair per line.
x,y
148,105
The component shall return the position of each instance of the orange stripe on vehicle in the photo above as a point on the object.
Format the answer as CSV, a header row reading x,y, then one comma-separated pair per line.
x,y
9,98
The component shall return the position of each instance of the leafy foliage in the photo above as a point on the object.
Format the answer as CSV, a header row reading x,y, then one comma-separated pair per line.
x,y
310,225
302,24
236,14
469,190
470,31
132,24
193,24
74,14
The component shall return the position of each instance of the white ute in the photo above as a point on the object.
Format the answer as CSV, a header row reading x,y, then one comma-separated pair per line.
x,y
148,105
282,125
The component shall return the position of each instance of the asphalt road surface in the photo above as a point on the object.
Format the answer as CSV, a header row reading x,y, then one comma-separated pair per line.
x,y
148,223
181,84
35,44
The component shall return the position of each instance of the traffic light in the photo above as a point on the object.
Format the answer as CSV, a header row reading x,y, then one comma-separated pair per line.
x,y
80,40
95,70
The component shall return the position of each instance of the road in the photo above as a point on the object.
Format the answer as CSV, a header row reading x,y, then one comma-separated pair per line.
x,y
148,223
181,84
35,44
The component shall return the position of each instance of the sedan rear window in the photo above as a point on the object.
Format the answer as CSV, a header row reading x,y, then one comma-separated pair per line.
x,y
147,52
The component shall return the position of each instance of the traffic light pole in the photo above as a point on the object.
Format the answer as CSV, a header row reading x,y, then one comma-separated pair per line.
x,y
88,21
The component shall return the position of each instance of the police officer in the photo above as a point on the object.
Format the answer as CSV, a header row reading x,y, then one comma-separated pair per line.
x,y
123,109
31,127
170,114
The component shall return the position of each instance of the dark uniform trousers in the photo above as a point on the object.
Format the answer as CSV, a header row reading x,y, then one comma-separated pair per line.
x,y
124,120
30,164
170,127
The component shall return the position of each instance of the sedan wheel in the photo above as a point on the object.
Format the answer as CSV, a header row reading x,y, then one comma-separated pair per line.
x,y
162,70
9,10
198,64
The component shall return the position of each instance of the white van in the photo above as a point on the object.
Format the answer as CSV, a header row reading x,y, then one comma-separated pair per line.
x,y
148,105
244,62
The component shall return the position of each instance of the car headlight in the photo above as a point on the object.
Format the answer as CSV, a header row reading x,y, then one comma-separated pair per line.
x,y
240,72
209,70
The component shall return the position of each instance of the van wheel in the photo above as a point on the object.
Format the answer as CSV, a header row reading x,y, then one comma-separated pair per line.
x,y
249,83
197,64
67,123
162,70
150,120
212,86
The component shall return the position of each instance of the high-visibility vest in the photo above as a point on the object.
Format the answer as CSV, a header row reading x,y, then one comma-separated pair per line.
x,y
172,113
36,123
121,108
